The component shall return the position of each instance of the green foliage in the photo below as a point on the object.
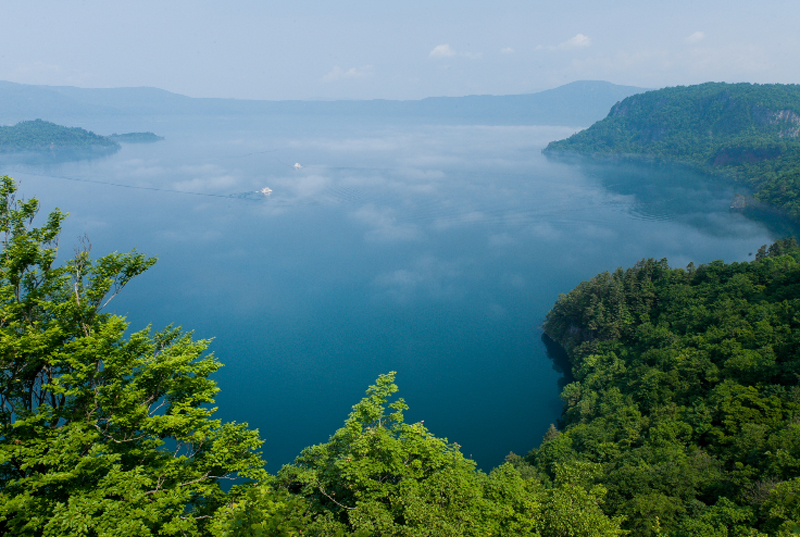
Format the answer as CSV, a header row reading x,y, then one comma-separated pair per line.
x,y
749,132
41,135
686,394
378,475
260,510
100,434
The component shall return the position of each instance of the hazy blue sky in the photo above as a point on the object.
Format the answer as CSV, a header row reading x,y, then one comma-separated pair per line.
x,y
364,49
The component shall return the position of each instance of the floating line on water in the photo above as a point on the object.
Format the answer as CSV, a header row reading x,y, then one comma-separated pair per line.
x,y
136,187
422,210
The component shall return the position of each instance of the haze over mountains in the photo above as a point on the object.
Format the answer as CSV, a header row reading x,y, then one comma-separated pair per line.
x,y
575,104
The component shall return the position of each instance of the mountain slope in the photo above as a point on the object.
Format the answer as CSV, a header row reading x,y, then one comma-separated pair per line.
x,y
749,132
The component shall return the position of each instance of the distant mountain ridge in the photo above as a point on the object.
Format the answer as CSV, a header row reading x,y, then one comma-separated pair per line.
x,y
749,132
576,104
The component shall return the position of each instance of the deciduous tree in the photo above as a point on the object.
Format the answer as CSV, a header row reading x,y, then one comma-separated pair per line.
x,y
100,434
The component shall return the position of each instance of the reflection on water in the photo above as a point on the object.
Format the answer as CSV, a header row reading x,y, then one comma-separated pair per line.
x,y
55,157
432,251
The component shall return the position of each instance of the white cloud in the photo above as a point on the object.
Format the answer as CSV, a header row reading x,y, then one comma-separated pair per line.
x,y
338,73
427,275
442,51
139,168
446,51
507,50
579,41
457,220
203,178
204,184
500,240
384,225
695,37
301,186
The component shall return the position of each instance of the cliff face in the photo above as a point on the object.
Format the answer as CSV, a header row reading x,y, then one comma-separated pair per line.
x,y
789,122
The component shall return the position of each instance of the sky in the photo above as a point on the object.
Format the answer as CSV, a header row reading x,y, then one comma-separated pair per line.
x,y
367,49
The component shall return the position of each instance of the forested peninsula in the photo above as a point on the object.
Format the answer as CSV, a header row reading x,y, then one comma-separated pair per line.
x,y
40,136
747,132
685,405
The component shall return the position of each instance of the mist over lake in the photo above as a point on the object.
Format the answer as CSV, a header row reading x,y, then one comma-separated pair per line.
x,y
435,251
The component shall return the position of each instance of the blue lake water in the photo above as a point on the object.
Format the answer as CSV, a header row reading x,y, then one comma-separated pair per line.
x,y
434,251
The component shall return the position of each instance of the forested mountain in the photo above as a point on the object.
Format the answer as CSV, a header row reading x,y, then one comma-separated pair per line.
x,y
686,404
748,132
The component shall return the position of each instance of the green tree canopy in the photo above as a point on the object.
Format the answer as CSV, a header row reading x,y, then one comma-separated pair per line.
x,y
685,394
100,434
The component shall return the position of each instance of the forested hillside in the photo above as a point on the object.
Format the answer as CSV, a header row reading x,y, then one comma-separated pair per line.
x,y
686,403
41,135
748,132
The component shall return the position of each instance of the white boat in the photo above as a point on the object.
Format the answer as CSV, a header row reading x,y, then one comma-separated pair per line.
x,y
297,166
266,191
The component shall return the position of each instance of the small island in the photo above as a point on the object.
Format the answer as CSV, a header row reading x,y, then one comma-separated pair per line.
x,y
747,132
136,138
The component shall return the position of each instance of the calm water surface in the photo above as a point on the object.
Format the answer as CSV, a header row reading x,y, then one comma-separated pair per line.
x,y
433,251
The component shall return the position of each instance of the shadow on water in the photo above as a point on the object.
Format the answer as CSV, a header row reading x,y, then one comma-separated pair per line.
x,y
57,156
561,363
663,192
778,223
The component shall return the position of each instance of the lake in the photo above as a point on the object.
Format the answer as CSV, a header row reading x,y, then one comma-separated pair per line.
x,y
433,251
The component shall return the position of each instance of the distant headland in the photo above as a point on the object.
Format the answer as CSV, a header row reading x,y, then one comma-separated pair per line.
x,y
747,132
40,136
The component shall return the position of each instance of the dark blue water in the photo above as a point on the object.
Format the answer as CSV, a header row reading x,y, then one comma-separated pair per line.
x,y
432,251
